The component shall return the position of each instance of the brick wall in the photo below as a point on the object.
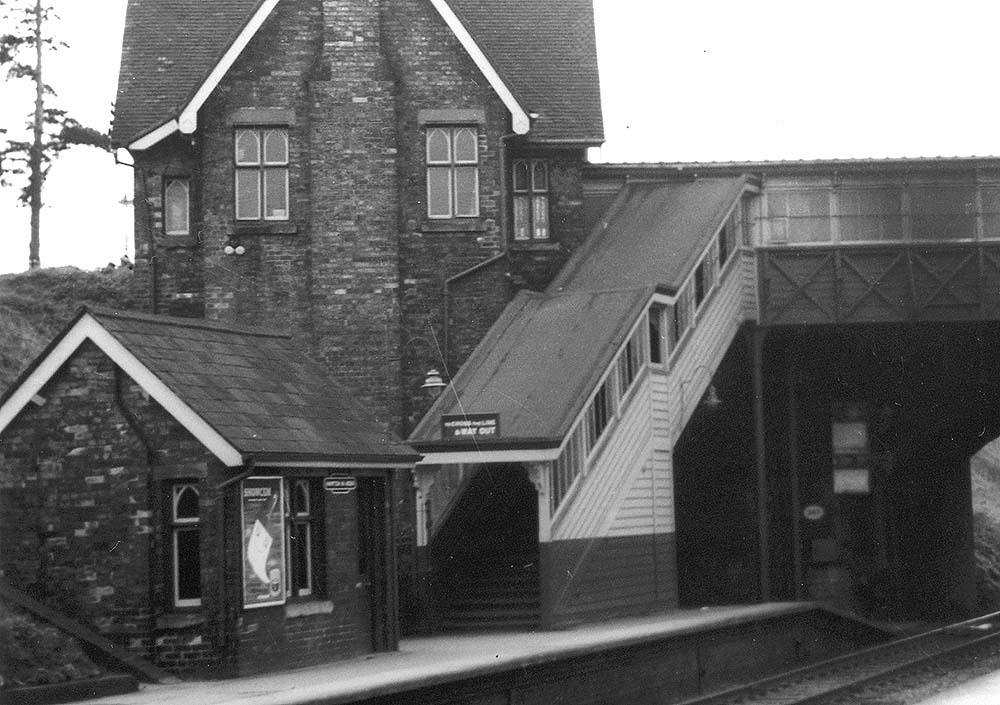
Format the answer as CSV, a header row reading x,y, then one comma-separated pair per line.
x,y
84,500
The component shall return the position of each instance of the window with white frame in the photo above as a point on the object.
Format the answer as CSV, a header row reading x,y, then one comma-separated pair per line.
x,y
657,337
177,206
531,199
452,172
303,537
682,313
261,166
727,237
185,544
602,408
630,362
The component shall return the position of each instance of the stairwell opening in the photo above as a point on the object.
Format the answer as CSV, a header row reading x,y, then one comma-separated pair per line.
x,y
485,557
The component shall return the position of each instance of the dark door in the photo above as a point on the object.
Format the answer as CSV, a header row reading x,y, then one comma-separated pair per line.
x,y
373,559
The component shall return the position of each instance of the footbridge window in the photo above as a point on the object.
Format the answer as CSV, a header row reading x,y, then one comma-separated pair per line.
x,y
609,400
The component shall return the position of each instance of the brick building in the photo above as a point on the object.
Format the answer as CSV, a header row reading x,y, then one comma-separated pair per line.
x,y
376,178
182,487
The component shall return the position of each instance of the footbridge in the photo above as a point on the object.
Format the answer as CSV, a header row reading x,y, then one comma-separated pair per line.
x,y
752,382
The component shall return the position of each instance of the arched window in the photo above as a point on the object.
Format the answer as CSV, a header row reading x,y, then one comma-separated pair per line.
x,y
176,207
261,180
452,172
185,544
531,199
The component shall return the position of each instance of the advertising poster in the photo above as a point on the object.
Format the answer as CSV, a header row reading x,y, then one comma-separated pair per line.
x,y
263,542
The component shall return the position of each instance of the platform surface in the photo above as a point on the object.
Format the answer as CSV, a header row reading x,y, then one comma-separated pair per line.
x,y
431,660
984,690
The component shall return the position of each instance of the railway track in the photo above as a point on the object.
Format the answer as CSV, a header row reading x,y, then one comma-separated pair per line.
x,y
836,679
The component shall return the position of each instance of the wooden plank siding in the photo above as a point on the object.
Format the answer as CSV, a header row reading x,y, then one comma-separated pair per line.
x,y
625,450
701,352
612,543
879,283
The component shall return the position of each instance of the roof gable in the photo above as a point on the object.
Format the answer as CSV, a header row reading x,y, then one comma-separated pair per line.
x,y
174,52
540,59
241,392
547,53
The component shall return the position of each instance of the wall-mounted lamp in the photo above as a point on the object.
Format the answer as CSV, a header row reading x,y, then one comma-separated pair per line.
x,y
711,399
234,248
433,383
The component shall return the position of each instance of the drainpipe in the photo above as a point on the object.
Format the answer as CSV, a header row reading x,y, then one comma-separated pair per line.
x,y
502,220
154,505
249,467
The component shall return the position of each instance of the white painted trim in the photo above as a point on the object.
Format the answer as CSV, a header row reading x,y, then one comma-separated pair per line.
x,y
490,456
520,120
160,133
188,120
335,465
89,328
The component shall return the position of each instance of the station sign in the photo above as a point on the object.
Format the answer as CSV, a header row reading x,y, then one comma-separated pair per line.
x,y
470,427
340,484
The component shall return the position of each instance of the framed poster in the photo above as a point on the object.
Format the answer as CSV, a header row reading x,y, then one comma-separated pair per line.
x,y
263,522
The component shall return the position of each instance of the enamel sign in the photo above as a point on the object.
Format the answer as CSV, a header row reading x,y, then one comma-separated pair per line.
x,y
470,427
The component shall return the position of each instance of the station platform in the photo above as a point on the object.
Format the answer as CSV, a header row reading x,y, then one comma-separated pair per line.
x,y
984,690
427,661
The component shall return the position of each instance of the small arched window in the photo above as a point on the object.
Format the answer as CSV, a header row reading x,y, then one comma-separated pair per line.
x,y
185,544
177,207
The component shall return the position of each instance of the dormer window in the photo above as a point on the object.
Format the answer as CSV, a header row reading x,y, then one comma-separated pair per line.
x,y
261,165
531,199
452,172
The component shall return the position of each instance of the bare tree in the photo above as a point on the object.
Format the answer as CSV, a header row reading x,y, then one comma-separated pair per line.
x,y
52,130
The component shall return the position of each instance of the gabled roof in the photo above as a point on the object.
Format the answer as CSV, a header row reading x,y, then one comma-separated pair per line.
x,y
168,51
242,392
537,365
539,58
547,52
545,355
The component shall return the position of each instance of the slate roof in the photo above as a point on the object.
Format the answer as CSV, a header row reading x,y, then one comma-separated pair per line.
x,y
255,387
168,49
545,354
537,365
544,51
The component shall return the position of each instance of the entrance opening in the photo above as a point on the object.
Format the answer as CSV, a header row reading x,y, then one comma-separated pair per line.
x,y
373,541
485,555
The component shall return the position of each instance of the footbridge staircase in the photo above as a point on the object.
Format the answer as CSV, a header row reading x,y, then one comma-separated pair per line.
x,y
591,383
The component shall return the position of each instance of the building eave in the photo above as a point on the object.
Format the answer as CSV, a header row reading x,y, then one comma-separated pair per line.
x,y
85,328
186,120
520,118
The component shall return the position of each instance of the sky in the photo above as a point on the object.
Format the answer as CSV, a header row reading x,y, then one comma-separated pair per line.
x,y
685,81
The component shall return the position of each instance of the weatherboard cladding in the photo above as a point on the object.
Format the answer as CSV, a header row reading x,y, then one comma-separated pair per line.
x,y
544,52
256,388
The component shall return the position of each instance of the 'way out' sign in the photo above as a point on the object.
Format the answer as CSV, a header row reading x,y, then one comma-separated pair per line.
x,y
470,426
